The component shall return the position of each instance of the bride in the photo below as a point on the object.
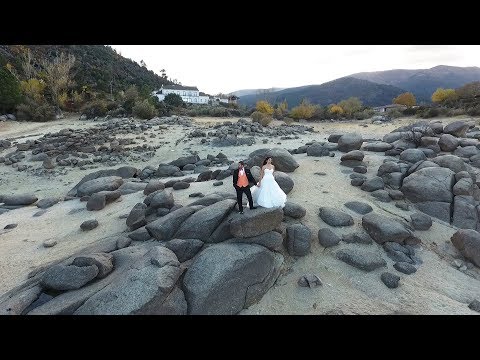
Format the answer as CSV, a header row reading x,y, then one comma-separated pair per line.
x,y
268,193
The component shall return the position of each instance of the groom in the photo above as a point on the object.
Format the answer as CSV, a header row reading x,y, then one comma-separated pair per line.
x,y
241,182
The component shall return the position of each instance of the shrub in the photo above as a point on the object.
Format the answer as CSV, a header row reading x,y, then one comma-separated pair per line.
x,y
336,110
30,110
303,111
364,114
257,116
474,111
95,108
409,111
10,94
144,110
288,120
394,113
264,121
118,112
264,107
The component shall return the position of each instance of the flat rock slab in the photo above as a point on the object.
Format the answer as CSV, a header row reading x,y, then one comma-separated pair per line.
x,y
361,259
382,228
359,207
256,222
19,200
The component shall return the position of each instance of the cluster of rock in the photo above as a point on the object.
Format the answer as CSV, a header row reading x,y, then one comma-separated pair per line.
x,y
342,142
396,238
243,132
190,165
203,258
80,148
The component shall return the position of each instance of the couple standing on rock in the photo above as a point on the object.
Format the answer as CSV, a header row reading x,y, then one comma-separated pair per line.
x,y
266,193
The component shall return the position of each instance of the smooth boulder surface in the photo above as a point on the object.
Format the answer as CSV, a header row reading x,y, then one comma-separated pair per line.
x,y
103,261
282,159
375,183
61,277
467,241
448,142
334,217
284,181
328,238
361,259
457,128
294,210
19,200
421,221
108,183
271,240
298,240
256,222
136,218
429,184
349,142
226,278
202,223
184,249
383,229
152,186
164,228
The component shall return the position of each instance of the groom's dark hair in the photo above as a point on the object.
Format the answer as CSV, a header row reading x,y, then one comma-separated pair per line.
x,y
241,162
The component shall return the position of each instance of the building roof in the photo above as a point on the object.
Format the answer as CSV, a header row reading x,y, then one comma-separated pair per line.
x,y
179,87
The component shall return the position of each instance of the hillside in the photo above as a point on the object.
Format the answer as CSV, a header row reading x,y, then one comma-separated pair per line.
x,y
423,82
96,66
370,93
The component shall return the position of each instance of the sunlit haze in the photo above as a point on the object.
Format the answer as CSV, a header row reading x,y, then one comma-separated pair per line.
x,y
226,68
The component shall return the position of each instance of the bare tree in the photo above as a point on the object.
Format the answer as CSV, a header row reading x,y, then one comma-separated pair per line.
x,y
57,74
27,65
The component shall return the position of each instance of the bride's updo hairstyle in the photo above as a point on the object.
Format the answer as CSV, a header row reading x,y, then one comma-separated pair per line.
x,y
266,159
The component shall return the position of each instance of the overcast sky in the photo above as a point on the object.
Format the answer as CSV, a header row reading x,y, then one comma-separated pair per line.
x,y
226,68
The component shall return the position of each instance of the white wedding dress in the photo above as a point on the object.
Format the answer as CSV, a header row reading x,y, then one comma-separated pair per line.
x,y
269,194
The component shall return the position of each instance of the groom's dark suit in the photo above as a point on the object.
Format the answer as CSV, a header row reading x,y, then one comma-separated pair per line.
x,y
243,189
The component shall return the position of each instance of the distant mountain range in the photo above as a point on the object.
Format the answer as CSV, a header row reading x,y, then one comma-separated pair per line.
x,y
372,94
423,82
373,88
253,91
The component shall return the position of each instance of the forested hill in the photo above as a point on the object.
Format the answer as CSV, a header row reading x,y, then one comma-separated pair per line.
x,y
98,67
370,93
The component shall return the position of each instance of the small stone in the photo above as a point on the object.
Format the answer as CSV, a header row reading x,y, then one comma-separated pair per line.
x,y
123,242
218,183
49,243
309,280
320,173
457,263
10,226
462,268
40,213
89,225
390,280
475,305
405,268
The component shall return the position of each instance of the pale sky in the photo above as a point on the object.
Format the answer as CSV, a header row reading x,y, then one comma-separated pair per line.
x,y
227,68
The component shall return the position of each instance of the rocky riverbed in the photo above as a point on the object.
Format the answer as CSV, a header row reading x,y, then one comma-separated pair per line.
x,y
122,216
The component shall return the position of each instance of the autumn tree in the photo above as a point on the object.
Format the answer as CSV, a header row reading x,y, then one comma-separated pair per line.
x,y
407,99
57,75
351,105
441,95
264,107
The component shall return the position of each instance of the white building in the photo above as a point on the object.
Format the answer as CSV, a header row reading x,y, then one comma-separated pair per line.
x,y
189,94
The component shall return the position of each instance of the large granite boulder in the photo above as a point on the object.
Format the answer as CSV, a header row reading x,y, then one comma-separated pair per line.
x,y
468,243
226,278
281,158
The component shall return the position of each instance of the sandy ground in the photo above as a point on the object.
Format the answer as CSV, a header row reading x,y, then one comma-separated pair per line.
x,y
436,288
